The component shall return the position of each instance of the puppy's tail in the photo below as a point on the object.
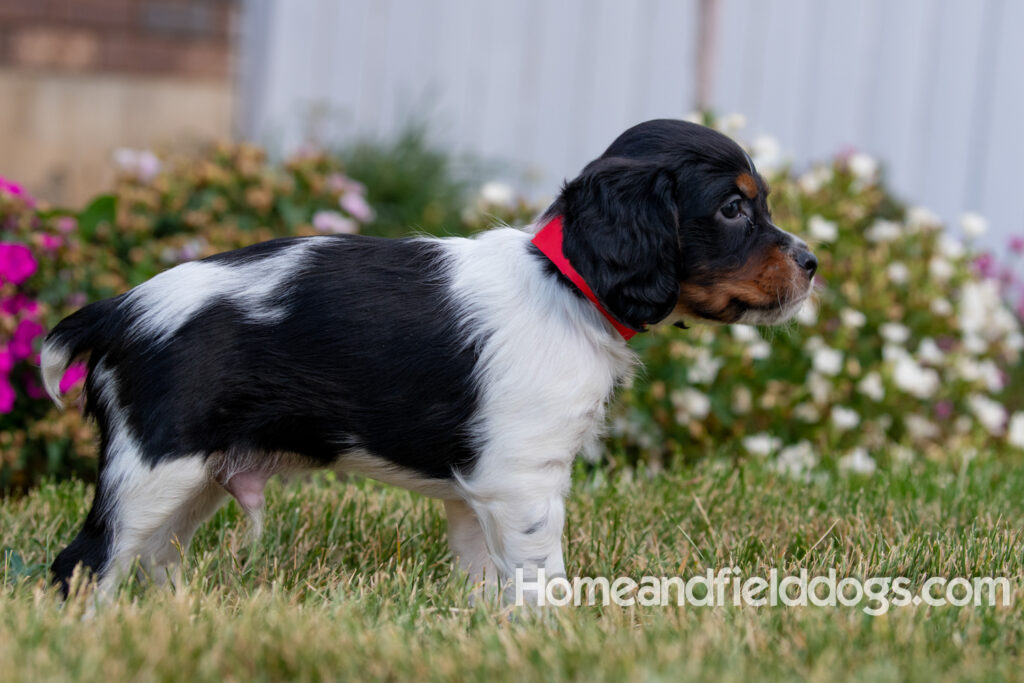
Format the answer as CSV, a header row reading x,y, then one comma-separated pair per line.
x,y
84,331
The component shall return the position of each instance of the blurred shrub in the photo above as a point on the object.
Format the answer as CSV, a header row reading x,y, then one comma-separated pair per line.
x,y
161,213
412,184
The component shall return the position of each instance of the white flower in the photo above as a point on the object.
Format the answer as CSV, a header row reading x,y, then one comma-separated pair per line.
x,y
1015,434
871,386
963,424
857,461
704,367
844,418
929,352
973,225
895,333
808,313
920,428
821,229
990,413
914,379
745,333
819,387
940,268
991,375
863,167
796,460
807,412
742,400
759,350
941,306
883,231
982,313
334,222
918,217
813,180
950,247
498,193
898,272
732,123
141,163
828,361
690,404
852,317
762,444
767,153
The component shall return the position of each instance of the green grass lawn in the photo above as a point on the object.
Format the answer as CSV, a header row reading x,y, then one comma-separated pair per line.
x,y
352,580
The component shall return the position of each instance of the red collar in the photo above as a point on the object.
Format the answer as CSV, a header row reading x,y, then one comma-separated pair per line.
x,y
549,241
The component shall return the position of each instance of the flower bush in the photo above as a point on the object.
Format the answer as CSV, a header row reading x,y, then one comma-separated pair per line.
x,y
162,212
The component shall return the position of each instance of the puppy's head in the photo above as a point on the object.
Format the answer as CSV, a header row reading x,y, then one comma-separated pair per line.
x,y
671,223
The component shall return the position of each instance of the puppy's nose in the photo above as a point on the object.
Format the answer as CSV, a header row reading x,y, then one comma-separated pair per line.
x,y
806,260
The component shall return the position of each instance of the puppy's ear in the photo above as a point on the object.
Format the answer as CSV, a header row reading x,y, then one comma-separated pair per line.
x,y
621,232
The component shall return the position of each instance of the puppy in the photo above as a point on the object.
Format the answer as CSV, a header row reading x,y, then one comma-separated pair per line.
x,y
470,370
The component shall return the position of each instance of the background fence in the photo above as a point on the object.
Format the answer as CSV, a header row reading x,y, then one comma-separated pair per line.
x,y
935,88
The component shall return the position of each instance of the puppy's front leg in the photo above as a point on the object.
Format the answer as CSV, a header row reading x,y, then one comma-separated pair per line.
x,y
522,516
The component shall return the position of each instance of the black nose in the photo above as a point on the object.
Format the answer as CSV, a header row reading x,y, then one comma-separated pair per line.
x,y
806,260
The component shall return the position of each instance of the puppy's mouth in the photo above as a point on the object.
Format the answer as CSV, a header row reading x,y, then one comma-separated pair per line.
x,y
768,291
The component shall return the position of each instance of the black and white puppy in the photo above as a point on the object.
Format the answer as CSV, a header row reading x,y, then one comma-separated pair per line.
x,y
471,370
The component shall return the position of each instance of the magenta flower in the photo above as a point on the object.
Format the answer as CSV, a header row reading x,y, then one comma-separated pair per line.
x,y
74,374
32,387
21,341
15,190
944,410
985,265
7,395
51,242
16,263
6,362
18,303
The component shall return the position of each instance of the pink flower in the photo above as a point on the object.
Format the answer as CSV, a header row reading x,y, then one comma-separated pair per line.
x,y
1017,244
332,221
7,395
985,265
15,190
944,409
67,224
16,263
51,242
74,374
356,206
21,341
336,182
6,362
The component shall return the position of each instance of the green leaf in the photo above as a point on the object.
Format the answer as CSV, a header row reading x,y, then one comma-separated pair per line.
x,y
103,209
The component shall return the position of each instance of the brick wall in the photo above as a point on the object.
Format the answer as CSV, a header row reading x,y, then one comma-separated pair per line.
x,y
80,78
189,38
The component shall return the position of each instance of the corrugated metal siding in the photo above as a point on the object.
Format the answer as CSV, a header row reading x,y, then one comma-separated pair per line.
x,y
935,88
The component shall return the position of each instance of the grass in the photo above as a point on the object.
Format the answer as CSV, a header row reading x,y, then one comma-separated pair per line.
x,y
352,580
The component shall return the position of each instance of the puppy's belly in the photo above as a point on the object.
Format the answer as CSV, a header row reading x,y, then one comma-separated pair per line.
x,y
360,462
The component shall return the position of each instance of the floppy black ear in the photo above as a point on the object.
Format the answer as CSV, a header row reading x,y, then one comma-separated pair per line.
x,y
621,232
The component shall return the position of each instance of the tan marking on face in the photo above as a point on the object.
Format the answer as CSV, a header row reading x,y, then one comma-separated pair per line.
x,y
747,185
765,281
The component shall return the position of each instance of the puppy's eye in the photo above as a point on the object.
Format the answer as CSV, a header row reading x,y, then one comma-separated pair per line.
x,y
732,209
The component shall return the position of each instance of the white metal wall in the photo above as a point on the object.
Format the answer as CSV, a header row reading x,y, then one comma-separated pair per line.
x,y
933,87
